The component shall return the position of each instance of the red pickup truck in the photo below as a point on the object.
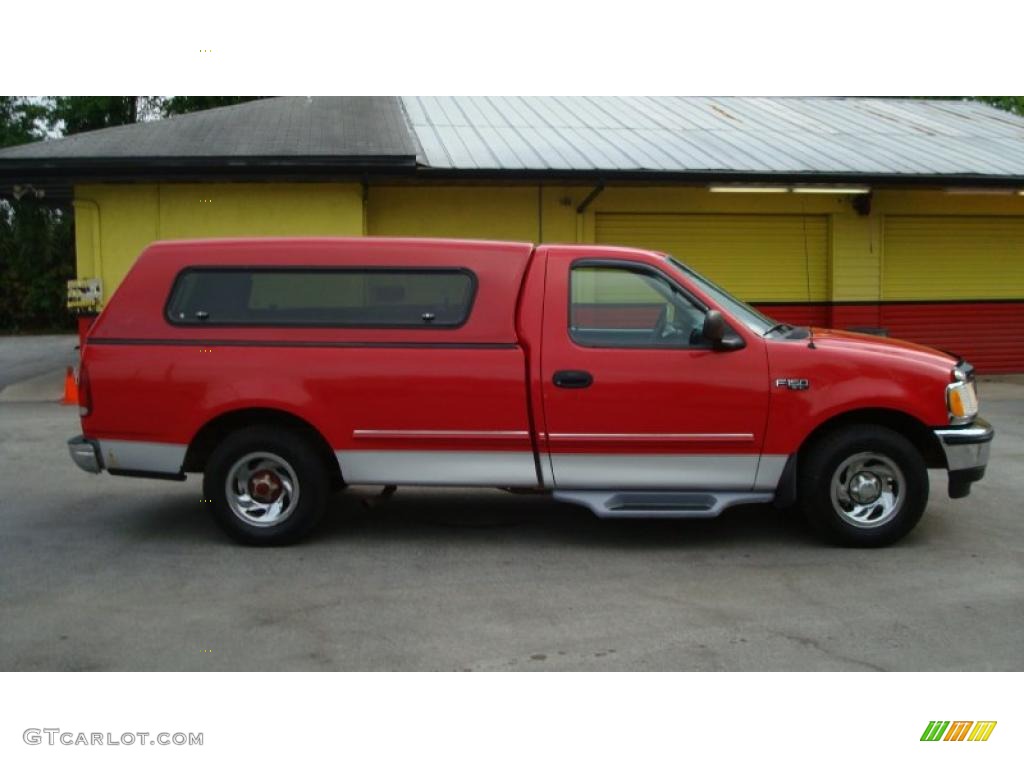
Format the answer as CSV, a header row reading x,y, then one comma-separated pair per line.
x,y
615,378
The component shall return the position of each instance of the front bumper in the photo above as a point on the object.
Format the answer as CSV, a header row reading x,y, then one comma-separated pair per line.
x,y
86,454
967,450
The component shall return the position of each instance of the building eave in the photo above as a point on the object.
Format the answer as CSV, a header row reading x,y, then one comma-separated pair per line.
x,y
59,178
704,177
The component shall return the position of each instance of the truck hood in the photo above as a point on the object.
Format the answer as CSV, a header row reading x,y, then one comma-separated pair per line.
x,y
840,341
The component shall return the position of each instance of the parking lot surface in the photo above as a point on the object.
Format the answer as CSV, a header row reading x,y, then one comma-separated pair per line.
x,y
104,573
24,357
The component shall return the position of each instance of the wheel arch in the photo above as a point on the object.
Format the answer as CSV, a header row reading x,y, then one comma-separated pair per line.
x,y
216,429
912,428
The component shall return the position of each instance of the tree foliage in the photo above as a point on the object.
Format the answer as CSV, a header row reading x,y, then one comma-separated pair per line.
x,y
19,120
37,258
180,105
36,238
75,114
1009,103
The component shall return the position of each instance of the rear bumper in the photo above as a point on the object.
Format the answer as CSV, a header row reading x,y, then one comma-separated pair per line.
x,y
86,454
967,451
128,458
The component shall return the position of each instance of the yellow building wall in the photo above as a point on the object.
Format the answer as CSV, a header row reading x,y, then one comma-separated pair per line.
x,y
122,221
762,257
492,213
935,240
262,210
982,256
115,222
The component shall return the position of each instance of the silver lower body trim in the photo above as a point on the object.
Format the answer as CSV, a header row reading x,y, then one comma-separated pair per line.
x,y
480,468
440,434
725,472
141,456
769,471
653,437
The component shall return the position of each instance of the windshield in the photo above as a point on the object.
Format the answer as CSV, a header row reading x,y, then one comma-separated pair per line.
x,y
759,323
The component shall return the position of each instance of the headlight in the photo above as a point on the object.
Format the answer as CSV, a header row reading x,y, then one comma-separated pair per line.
x,y
961,399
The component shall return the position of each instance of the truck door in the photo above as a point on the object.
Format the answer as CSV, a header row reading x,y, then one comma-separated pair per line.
x,y
634,396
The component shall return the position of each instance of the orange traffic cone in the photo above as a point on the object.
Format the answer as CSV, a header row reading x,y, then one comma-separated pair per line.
x,y
70,388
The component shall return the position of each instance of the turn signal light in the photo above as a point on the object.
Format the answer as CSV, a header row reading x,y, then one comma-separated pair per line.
x,y
962,401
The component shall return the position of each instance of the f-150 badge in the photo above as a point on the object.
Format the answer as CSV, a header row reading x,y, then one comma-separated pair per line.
x,y
792,383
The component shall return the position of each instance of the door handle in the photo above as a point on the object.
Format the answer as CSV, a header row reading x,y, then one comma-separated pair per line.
x,y
572,379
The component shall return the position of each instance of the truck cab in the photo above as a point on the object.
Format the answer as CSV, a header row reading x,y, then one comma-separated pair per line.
x,y
615,378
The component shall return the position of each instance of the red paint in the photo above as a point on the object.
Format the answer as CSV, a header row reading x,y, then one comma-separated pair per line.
x,y
852,371
647,391
499,267
641,401
84,323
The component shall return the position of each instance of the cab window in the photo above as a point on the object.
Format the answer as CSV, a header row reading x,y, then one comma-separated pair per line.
x,y
623,306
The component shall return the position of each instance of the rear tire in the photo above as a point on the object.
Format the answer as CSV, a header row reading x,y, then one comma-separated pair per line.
x,y
266,485
862,486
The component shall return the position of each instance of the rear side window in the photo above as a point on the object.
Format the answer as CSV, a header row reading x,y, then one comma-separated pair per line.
x,y
350,297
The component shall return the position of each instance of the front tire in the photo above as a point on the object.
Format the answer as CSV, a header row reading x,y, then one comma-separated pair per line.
x,y
863,486
266,486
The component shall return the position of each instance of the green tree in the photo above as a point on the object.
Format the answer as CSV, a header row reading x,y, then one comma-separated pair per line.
x,y
19,120
75,114
1013,104
37,258
36,237
180,105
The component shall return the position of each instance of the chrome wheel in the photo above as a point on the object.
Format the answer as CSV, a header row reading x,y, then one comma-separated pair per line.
x,y
868,490
262,489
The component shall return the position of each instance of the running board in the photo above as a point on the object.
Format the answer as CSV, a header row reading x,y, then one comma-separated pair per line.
x,y
660,503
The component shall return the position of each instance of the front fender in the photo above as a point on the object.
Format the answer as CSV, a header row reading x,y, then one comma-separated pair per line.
x,y
839,382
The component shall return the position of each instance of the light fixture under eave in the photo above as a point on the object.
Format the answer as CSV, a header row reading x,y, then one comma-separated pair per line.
x,y
832,190
746,188
980,191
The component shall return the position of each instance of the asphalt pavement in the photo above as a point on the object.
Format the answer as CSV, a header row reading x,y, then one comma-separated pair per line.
x,y
25,357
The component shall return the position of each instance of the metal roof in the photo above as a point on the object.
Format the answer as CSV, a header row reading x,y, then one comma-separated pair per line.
x,y
642,137
351,130
729,135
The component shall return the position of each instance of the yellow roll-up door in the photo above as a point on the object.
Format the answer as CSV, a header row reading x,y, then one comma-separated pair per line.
x,y
953,258
761,258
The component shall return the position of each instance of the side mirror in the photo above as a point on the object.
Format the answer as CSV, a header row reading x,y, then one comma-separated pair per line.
x,y
714,327
718,333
